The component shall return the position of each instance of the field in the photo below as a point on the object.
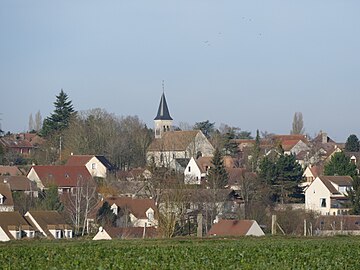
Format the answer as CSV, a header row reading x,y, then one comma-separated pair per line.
x,y
236,253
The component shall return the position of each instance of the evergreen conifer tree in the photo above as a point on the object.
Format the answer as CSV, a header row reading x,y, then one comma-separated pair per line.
x,y
340,164
217,174
60,118
352,144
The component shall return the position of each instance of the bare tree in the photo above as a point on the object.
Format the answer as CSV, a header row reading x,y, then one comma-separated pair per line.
x,y
80,202
38,121
31,123
123,140
298,124
185,126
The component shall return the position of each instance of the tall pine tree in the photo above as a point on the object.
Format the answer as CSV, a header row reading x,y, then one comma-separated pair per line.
x,y
60,118
340,164
217,174
352,144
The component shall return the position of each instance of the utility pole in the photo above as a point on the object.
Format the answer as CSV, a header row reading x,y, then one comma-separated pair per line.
x,y
60,149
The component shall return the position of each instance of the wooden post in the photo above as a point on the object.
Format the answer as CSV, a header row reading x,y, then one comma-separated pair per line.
x,y
273,224
304,227
199,225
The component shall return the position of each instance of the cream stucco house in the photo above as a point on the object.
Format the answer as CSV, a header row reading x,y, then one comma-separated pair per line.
x,y
327,195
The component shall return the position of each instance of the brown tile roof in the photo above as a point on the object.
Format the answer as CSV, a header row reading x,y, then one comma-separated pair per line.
x,y
13,220
47,220
236,175
174,141
6,192
10,170
203,163
137,207
339,180
62,176
317,170
19,183
226,227
297,137
131,232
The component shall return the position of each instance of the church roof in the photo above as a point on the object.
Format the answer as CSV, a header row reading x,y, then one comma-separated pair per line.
x,y
163,111
174,141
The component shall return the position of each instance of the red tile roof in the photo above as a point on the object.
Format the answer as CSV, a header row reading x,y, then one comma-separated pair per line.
x,y
78,160
62,176
226,227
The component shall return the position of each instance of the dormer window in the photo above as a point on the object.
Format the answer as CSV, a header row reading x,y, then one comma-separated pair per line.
x,y
2,199
67,175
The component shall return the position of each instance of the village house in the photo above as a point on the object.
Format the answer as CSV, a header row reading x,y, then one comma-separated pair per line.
x,y
197,170
310,173
6,199
133,212
50,224
98,166
20,184
13,226
23,143
66,178
173,149
226,227
327,195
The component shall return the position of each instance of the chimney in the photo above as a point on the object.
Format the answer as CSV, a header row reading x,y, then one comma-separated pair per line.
x,y
324,137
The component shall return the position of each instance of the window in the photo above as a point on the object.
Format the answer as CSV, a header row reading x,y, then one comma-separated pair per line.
x,y
323,202
58,234
93,166
150,216
161,158
189,169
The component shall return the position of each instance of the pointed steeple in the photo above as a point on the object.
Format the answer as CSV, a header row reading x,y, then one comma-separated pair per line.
x,y
163,111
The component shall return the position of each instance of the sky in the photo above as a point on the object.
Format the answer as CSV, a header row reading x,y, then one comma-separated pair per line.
x,y
249,64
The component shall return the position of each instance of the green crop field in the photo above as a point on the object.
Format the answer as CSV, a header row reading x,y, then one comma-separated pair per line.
x,y
234,253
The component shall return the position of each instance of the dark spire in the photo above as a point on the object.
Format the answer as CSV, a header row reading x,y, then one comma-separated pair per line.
x,y
163,111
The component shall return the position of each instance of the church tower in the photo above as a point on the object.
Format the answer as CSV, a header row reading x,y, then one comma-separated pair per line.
x,y
163,120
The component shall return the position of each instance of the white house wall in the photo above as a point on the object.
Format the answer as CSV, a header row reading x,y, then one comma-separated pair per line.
x,y
32,175
99,170
316,191
3,236
194,175
255,230
102,235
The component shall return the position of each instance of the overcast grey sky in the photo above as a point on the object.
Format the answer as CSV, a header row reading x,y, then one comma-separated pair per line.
x,y
250,64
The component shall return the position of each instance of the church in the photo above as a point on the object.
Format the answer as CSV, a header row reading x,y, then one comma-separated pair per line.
x,y
174,149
